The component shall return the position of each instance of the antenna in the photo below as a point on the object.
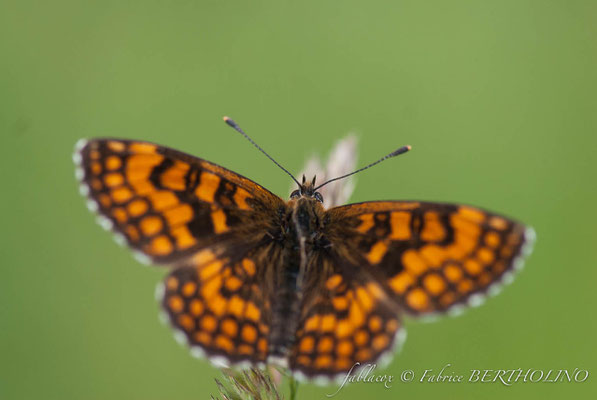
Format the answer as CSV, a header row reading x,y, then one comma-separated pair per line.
x,y
237,128
395,153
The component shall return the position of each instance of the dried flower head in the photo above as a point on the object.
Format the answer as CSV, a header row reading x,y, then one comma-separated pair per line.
x,y
247,384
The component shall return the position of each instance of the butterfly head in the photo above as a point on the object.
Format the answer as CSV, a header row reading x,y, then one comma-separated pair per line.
x,y
307,189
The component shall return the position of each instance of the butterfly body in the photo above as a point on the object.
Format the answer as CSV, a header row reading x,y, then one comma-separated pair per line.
x,y
254,278
299,236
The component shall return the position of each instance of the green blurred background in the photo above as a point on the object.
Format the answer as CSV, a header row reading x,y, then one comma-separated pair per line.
x,y
498,99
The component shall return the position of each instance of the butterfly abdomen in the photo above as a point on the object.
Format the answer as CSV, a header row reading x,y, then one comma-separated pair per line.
x,y
285,303
285,314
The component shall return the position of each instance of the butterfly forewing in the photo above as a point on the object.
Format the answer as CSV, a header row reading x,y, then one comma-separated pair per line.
x,y
167,204
429,256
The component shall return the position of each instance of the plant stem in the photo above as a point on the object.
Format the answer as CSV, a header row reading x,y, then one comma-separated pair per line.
x,y
293,387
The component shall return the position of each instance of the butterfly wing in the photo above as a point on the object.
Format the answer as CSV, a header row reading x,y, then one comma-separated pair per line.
x,y
220,305
347,317
431,257
213,225
168,205
389,257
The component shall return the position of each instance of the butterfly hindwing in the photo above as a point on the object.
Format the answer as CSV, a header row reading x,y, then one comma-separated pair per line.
x,y
166,204
220,307
347,318
430,256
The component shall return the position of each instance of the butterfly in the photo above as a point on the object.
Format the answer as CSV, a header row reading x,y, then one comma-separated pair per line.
x,y
255,279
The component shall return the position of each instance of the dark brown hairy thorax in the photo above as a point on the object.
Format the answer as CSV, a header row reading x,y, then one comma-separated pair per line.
x,y
306,215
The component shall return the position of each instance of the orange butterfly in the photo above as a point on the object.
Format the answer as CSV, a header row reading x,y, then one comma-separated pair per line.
x,y
256,279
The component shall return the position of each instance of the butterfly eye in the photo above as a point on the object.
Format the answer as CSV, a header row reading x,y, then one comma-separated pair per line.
x,y
295,194
318,197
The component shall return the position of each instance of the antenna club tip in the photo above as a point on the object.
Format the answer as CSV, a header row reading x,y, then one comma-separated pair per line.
x,y
399,151
408,147
229,121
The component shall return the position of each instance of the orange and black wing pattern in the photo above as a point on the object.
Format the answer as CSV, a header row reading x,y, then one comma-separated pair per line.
x,y
347,318
387,258
168,205
430,257
221,307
